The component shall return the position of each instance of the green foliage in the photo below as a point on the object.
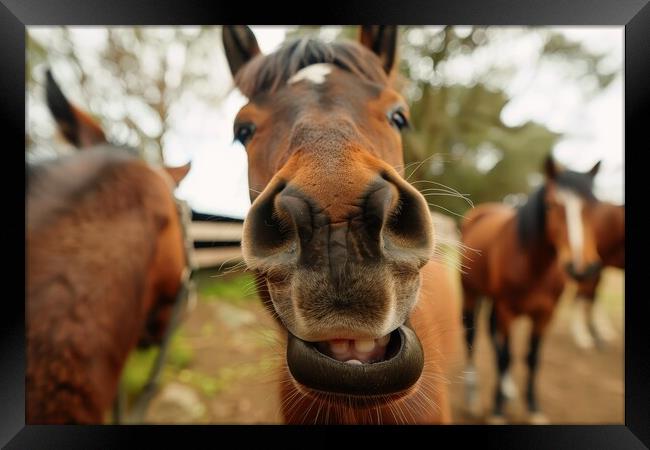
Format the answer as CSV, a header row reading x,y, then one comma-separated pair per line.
x,y
458,133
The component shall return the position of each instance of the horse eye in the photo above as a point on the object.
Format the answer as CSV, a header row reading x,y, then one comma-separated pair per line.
x,y
398,119
244,132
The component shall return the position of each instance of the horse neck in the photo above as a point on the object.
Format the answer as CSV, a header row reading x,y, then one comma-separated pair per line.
x,y
539,254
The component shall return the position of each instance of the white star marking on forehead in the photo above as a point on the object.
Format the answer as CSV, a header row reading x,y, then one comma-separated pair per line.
x,y
316,73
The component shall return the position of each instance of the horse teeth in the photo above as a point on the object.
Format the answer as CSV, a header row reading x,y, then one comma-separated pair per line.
x,y
339,346
364,345
355,362
383,341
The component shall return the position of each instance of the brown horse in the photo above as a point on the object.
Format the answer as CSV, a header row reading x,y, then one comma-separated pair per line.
x,y
340,243
520,260
590,324
105,256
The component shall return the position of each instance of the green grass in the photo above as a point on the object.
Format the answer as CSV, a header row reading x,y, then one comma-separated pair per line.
x,y
140,362
234,288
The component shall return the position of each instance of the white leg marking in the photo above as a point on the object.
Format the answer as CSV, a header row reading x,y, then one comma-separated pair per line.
x,y
581,335
603,323
508,386
472,404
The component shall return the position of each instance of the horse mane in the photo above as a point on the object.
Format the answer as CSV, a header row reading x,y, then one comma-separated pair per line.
x,y
267,73
57,187
531,216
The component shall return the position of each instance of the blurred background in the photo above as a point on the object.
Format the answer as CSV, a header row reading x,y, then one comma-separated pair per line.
x,y
487,105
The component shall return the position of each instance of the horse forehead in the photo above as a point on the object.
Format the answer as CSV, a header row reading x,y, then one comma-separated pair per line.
x,y
569,198
315,73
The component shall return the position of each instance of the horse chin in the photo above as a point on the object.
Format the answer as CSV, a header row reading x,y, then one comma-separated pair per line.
x,y
363,384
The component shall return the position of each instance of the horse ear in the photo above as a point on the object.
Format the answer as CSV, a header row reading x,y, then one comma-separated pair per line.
x,y
240,46
594,170
550,167
76,126
382,40
178,173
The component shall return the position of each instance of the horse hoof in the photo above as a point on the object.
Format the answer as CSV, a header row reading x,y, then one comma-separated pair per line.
x,y
538,418
496,419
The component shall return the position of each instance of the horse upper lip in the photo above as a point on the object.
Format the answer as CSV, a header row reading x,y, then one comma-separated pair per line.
x,y
318,371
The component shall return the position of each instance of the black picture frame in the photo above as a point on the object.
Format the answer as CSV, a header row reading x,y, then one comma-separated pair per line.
x,y
634,15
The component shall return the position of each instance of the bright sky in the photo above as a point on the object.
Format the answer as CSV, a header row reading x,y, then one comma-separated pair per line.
x,y
217,183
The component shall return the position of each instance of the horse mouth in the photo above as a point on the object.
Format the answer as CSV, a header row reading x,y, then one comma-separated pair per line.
x,y
389,365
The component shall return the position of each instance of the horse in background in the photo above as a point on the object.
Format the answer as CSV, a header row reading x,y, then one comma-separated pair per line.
x,y
591,325
105,261
521,261
341,244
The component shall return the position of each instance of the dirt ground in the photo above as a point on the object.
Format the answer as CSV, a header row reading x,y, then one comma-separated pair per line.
x,y
574,386
230,378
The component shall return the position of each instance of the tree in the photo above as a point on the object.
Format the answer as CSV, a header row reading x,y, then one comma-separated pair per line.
x,y
135,81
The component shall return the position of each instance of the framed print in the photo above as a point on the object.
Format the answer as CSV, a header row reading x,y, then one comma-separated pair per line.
x,y
413,227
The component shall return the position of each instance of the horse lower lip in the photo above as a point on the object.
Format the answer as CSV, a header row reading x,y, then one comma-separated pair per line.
x,y
317,371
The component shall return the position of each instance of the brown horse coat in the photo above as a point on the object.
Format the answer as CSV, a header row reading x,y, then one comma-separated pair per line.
x,y
105,255
521,259
341,244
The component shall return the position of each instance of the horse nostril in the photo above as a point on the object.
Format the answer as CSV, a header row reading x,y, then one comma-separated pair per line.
x,y
410,223
299,211
266,227
376,208
571,271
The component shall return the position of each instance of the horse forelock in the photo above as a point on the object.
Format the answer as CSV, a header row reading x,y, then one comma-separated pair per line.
x,y
268,73
577,182
531,216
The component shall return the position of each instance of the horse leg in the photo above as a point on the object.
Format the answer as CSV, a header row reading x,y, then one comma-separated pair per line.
x,y
602,323
581,330
591,326
471,302
599,323
535,416
500,334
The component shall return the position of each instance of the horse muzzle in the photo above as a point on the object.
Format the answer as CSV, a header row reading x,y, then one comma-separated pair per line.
x,y
589,272
399,368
